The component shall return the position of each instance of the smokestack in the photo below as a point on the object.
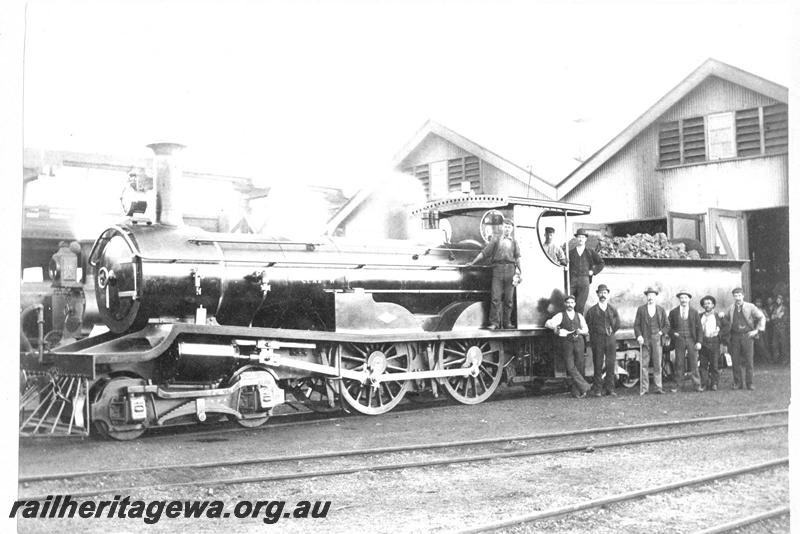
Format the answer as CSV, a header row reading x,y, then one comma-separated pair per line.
x,y
169,182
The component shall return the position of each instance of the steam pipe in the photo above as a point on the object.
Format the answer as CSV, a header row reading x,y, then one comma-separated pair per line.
x,y
40,322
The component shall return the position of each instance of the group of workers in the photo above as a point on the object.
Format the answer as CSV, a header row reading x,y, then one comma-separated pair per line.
x,y
695,335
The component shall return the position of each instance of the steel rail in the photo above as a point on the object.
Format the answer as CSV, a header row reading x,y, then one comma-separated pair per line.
x,y
613,499
402,448
403,465
744,521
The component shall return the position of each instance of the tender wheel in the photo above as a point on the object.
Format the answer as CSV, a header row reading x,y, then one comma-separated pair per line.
x,y
378,359
110,410
317,394
488,355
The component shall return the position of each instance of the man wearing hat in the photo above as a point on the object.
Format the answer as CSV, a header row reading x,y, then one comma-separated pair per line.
x,y
746,322
553,251
649,326
583,264
503,255
716,330
570,327
687,332
603,321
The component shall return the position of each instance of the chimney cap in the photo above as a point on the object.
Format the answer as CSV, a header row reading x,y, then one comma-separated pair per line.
x,y
165,148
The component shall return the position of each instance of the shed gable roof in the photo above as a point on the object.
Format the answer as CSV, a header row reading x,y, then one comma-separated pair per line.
x,y
513,170
711,67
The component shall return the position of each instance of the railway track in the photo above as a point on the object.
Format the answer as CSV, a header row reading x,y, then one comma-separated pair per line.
x,y
193,474
638,494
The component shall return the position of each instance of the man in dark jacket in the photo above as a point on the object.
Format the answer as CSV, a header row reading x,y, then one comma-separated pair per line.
x,y
687,333
603,321
649,326
584,263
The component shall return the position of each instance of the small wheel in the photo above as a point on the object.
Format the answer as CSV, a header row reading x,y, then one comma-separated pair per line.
x,y
629,380
110,404
487,354
378,359
247,404
118,435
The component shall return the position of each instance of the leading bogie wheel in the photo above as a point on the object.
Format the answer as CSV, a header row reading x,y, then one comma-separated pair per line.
x,y
248,402
487,355
375,360
111,405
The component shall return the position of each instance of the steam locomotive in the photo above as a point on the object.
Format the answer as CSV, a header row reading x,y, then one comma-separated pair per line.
x,y
204,325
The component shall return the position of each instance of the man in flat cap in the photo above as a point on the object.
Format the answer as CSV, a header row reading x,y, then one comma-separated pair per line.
x,y
503,255
649,326
687,332
570,327
553,251
716,331
584,263
603,321
746,322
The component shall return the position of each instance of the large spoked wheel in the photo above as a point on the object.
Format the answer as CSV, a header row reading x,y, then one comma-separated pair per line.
x,y
379,360
486,354
112,406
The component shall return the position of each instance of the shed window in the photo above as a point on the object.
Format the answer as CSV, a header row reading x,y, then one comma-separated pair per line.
x,y
721,134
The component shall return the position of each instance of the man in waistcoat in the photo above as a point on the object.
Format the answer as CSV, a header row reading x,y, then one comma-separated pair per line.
x,y
584,263
570,327
746,322
716,330
649,326
687,332
603,321
503,254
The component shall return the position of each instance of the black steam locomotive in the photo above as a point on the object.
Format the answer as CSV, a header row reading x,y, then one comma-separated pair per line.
x,y
204,325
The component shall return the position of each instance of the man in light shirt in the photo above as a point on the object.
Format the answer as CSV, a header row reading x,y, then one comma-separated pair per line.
x,y
570,327
503,255
553,251
716,330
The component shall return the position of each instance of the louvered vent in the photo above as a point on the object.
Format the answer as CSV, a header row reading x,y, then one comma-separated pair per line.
x,y
748,133
776,129
669,144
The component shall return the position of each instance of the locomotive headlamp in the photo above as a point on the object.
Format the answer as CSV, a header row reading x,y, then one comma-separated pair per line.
x,y
63,267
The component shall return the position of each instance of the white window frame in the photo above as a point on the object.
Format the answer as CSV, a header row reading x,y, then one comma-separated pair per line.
x,y
721,136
